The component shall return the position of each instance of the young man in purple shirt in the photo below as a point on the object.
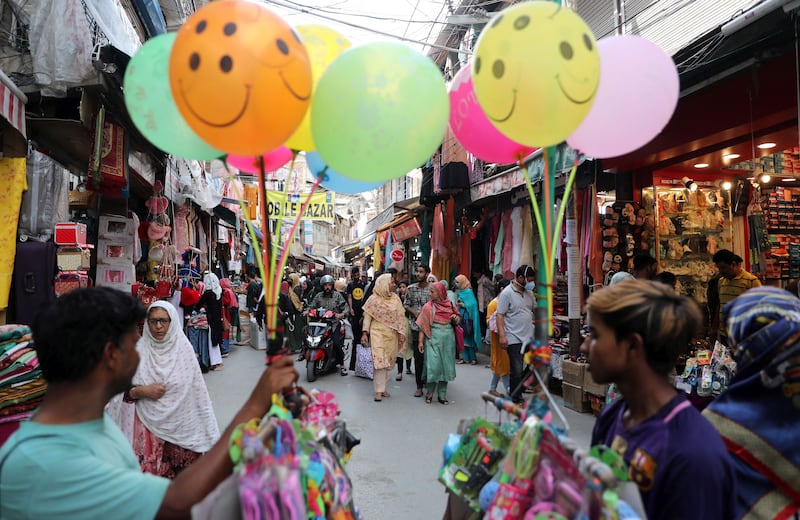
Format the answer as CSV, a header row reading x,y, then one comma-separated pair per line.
x,y
674,455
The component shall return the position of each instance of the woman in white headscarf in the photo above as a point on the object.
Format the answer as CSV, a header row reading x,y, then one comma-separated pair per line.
x,y
211,300
174,422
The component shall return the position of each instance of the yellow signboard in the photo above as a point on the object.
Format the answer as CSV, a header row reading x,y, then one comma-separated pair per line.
x,y
288,205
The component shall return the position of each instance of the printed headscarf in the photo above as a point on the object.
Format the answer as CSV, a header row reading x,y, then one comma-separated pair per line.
x,y
385,306
758,415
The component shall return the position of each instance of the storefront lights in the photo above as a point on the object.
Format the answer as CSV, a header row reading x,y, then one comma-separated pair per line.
x,y
766,146
701,165
689,183
764,179
731,156
726,185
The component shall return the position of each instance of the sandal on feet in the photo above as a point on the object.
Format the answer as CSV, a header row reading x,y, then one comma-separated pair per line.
x,y
343,371
398,377
386,394
443,400
473,362
418,393
378,397
409,372
428,398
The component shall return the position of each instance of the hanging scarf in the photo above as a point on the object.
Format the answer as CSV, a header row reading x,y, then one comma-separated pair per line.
x,y
758,415
385,306
211,283
438,310
183,415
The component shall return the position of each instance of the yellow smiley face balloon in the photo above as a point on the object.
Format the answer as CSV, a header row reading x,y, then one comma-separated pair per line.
x,y
323,46
240,76
535,72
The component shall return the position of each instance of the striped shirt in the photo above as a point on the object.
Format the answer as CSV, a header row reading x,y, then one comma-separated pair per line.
x,y
729,289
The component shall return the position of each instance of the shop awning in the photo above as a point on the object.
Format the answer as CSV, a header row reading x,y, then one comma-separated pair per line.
x,y
12,106
368,240
515,177
225,214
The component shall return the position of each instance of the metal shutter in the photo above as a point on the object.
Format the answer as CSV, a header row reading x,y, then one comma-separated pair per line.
x,y
598,15
673,24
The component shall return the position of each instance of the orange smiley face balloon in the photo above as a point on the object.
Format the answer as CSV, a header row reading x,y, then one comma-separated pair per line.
x,y
240,76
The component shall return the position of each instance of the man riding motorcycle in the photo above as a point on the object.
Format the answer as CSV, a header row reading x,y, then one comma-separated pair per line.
x,y
333,301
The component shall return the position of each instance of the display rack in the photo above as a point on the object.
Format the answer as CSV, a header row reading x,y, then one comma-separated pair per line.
x,y
690,226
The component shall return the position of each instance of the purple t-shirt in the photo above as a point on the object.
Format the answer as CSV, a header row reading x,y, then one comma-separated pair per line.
x,y
677,459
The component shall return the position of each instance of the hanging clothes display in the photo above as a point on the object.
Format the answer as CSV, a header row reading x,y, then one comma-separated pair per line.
x,y
593,246
516,223
528,233
497,263
425,239
12,183
508,246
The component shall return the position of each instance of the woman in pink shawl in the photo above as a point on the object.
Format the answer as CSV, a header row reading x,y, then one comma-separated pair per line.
x,y
438,342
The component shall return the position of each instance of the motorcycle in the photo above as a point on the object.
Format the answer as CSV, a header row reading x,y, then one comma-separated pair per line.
x,y
318,343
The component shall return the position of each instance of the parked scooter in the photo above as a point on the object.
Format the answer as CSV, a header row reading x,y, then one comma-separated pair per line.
x,y
318,343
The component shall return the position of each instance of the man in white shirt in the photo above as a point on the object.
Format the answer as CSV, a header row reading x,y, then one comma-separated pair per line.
x,y
515,311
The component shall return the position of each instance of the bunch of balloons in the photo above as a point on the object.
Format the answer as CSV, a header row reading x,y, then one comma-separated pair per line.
x,y
538,78
237,80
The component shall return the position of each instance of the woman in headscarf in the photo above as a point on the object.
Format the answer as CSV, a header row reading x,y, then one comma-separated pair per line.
x,y
231,301
438,342
294,326
230,314
468,306
211,301
758,415
173,421
384,331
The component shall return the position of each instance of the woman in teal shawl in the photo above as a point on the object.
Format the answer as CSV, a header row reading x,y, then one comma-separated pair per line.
x,y
758,415
469,311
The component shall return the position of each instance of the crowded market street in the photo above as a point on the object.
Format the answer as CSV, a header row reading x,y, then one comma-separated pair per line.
x,y
395,468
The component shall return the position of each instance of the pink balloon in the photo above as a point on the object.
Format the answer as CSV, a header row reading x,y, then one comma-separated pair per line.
x,y
272,160
474,130
637,94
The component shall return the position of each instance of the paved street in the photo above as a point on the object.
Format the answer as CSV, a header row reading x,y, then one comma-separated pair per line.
x,y
394,470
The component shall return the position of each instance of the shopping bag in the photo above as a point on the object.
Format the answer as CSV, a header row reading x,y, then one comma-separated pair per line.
x,y
364,366
459,332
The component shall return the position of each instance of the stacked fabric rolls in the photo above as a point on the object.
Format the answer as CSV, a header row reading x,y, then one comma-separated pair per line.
x,y
22,386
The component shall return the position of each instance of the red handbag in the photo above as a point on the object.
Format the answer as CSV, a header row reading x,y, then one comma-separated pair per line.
x,y
164,289
459,337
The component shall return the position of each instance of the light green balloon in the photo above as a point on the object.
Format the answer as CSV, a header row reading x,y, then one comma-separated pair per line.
x,y
149,101
379,111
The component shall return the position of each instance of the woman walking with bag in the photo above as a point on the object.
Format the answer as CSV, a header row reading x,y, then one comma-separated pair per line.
x,y
438,342
470,320
384,331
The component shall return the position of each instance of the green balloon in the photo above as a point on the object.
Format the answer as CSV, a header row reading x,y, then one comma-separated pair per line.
x,y
379,111
148,98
